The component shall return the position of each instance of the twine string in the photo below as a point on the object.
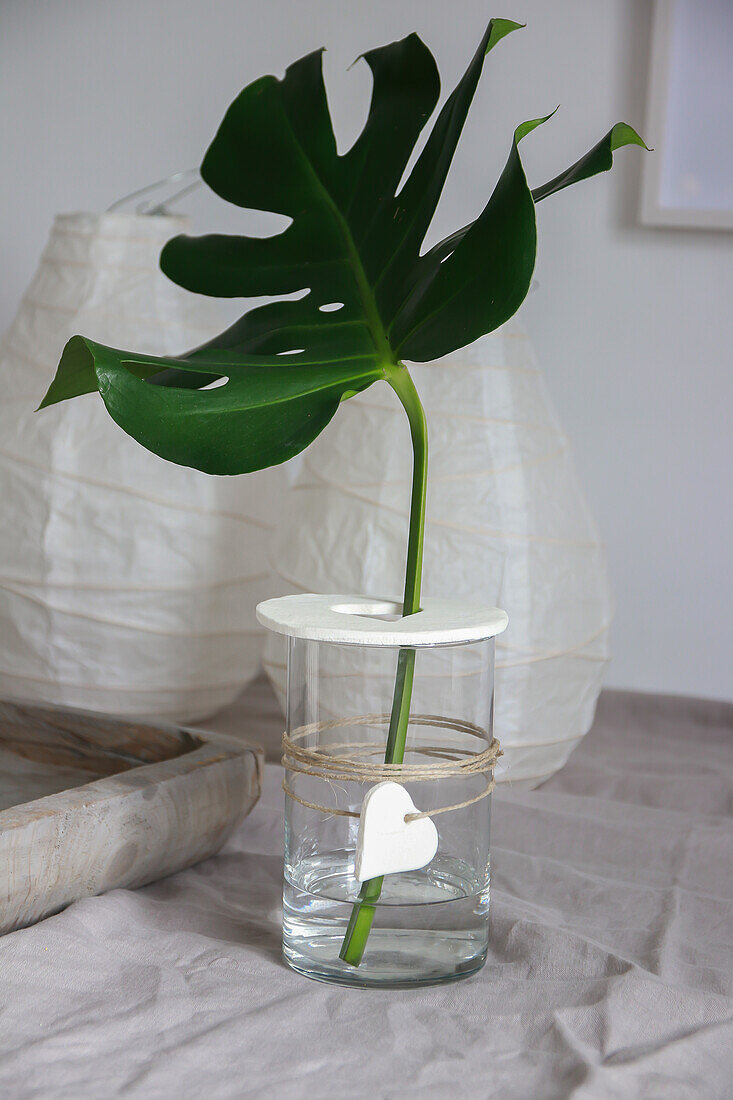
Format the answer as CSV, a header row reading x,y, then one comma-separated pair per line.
x,y
343,761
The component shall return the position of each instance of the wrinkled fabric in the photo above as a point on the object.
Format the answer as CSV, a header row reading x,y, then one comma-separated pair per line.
x,y
609,973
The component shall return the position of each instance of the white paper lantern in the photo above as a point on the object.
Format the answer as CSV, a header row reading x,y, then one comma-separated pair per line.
x,y
506,524
127,584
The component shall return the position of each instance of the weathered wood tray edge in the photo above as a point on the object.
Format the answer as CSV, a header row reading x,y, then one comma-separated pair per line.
x,y
124,830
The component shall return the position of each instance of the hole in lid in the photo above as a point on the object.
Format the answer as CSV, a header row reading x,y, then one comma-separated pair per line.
x,y
386,610
331,307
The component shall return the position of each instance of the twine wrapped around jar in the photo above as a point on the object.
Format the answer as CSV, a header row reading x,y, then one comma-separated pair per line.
x,y
341,761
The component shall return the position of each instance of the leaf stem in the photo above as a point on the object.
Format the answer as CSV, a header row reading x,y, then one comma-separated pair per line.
x,y
362,914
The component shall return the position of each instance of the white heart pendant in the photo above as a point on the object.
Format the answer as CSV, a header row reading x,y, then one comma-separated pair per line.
x,y
386,842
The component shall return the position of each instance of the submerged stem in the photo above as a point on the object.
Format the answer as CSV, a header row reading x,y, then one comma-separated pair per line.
x,y
362,914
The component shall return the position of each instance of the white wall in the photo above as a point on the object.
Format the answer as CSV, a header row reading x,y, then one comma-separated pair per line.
x,y
634,326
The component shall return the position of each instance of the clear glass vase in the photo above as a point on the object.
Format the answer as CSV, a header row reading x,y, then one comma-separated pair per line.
x,y
429,924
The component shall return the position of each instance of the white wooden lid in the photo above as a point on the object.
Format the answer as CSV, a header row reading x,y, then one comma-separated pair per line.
x,y
357,620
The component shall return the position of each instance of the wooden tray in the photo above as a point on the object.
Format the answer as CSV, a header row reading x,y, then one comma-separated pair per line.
x,y
89,803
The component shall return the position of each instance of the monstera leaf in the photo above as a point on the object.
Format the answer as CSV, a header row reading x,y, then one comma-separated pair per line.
x,y
353,245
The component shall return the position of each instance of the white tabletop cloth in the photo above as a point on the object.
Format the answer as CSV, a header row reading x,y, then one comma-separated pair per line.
x,y
610,971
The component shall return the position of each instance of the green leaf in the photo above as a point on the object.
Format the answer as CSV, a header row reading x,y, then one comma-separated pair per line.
x,y
599,159
229,429
352,244
76,373
367,297
481,281
401,224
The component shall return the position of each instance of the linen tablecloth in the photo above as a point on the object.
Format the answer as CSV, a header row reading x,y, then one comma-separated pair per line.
x,y
610,971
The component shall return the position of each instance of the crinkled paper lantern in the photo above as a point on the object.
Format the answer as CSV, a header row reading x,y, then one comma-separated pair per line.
x,y
127,585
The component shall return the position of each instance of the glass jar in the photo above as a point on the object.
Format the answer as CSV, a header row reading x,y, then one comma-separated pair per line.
x,y
424,925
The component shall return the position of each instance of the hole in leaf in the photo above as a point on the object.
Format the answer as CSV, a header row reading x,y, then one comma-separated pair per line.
x,y
331,307
216,383
293,351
